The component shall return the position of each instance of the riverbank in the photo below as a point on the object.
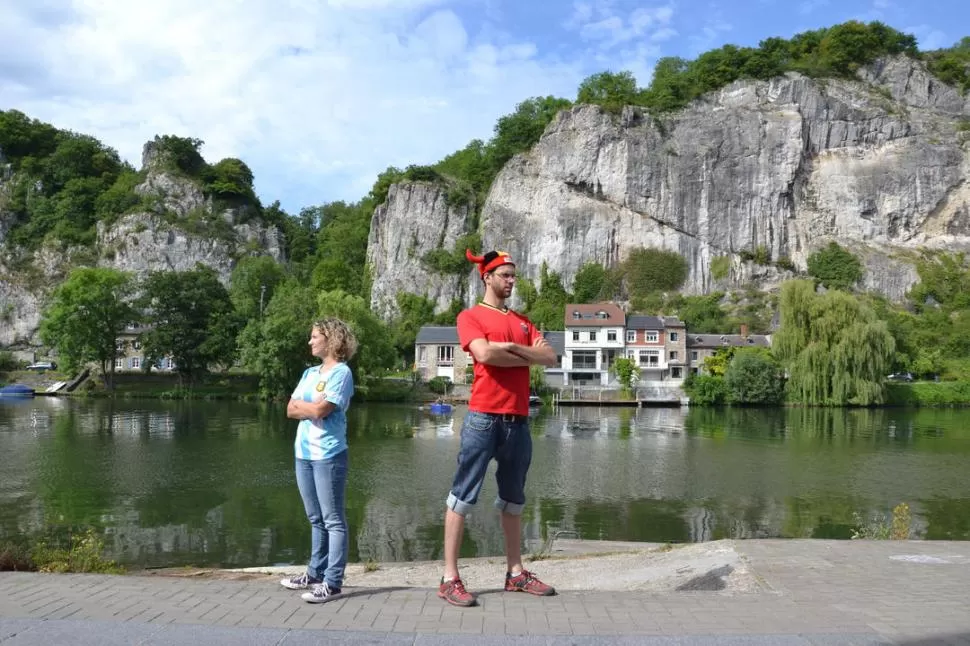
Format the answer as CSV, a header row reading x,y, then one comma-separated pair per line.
x,y
800,592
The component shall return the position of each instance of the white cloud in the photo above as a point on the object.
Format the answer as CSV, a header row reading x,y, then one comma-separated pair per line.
x,y
318,97
607,27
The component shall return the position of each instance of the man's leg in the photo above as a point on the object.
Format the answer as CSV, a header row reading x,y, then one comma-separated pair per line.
x,y
514,457
512,528
474,454
454,531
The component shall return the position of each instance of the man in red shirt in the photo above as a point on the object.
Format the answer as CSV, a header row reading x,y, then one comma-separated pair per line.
x,y
504,344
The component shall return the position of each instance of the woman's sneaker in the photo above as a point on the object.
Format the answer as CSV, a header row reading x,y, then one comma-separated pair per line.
x,y
321,593
300,582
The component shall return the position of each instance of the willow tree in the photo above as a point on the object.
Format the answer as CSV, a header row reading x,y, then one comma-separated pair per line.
x,y
834,347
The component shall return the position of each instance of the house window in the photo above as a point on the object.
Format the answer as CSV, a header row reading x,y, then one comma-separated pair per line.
x,y
611,335
677,372
446,354
136,345
422,356
584,360
631,336
135,363
119,364
693,355
650,358
575,335
170,363
651,336
673,355
592,335
673,336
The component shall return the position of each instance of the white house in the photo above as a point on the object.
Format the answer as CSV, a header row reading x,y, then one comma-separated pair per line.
x,y
593,338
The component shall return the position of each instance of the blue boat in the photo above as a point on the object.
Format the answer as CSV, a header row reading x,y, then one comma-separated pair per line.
x,y
16,390
439,408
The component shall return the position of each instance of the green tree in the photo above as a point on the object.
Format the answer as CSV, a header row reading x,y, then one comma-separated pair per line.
x,y
180,154
627,373
717,363
548,309
835,349
610,90
703,314
84,317
191,319
754,377
252,284
375,353
537,379
414,312
276,346
342,247
231,179
835,267
649,270
590,282
520,130
705,390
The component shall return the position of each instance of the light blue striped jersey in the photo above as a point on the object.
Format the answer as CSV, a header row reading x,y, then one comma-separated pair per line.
x,y
319,439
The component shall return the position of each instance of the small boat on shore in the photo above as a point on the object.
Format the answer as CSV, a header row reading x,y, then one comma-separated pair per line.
x,y
16,390
534,400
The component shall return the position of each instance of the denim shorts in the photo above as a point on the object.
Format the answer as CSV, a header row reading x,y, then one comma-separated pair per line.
x,y
485,436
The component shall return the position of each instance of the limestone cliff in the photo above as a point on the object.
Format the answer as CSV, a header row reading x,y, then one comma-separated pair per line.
x,y
879,164
415,219
180,229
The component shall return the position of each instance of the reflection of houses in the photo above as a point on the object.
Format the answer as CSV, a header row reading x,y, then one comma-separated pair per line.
x,y
701,346
658,346
593,339
131,355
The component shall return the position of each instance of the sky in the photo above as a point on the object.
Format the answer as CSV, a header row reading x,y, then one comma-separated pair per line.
x,y
319,96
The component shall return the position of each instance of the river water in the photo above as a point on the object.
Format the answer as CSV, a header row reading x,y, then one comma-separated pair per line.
x,y
211,483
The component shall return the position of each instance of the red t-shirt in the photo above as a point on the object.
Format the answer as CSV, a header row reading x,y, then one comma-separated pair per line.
x,y
497,389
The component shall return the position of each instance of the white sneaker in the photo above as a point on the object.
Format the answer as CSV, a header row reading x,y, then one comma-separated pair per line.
x,y
321,593
300,582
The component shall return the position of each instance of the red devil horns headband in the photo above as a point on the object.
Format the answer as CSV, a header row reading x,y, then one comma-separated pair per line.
x,y
490,261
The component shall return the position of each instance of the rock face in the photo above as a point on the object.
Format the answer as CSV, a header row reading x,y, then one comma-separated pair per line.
x,y
880,165
415,219
180,231
788,164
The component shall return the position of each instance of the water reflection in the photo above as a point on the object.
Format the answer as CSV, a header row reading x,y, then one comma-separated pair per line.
x,y
212,483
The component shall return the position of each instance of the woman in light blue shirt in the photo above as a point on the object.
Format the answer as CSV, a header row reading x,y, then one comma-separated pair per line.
x,y
320,402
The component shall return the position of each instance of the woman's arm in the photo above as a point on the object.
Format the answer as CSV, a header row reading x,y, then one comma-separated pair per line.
x,y
299,409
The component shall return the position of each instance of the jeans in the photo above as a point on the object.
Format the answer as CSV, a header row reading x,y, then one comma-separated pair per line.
x,y
322,485
485,436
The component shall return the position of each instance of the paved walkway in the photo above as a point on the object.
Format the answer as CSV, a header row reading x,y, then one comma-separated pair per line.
x,y
809,592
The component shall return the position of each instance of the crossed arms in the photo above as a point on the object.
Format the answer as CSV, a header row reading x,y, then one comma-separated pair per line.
x,y
299,409
508,354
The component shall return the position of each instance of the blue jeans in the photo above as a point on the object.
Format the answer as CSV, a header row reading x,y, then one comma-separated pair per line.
x,y
322,485
485,436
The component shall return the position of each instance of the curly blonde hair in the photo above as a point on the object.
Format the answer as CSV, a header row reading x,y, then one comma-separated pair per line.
x,y
341,341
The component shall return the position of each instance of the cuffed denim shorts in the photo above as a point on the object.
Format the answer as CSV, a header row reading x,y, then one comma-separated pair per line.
x,y
485,436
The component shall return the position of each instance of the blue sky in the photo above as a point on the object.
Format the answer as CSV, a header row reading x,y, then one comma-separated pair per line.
x,y
318,96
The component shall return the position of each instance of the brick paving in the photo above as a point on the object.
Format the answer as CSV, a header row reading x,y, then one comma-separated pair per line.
x,y
809,592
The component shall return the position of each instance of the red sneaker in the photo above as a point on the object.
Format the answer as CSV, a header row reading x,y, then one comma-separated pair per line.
x,y
526,581
454,592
